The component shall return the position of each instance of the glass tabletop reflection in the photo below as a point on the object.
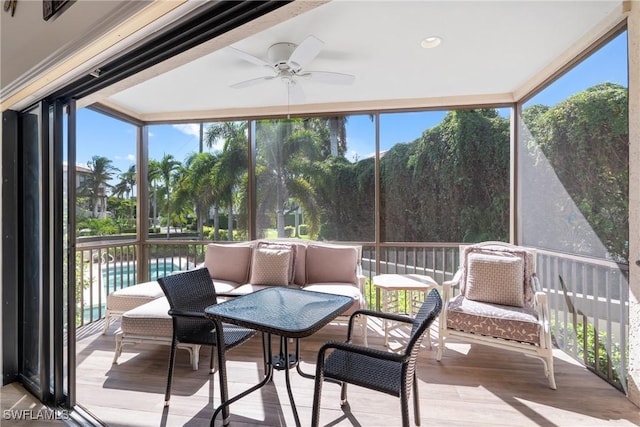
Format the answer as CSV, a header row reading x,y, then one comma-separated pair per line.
x,y
289,312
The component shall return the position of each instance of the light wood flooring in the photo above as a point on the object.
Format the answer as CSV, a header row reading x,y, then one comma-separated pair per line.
x,y
471,386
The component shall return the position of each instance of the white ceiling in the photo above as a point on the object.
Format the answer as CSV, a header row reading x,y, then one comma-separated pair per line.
x,y
28,42
493,51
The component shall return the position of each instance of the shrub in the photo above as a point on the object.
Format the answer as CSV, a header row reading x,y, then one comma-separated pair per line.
x,y
303,229
289,231
222,235
570,337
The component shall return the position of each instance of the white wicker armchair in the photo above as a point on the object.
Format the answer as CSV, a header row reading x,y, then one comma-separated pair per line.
x,y
500,303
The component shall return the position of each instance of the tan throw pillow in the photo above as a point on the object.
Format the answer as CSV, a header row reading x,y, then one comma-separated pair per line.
x,y
292,258
496,279
228,262
333,264
270,266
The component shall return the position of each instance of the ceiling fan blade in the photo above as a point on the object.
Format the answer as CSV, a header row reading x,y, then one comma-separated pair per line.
x,y
252,82
305,52
329,77
248,57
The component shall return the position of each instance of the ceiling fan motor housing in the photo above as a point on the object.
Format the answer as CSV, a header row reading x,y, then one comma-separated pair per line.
x,y
279,54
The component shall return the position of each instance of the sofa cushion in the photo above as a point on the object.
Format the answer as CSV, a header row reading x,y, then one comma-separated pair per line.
x,y
331,264
228,262
271,266
223,286
133,296
300,273
497,279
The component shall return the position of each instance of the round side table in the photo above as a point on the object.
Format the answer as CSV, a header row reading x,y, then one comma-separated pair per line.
x,y
390,284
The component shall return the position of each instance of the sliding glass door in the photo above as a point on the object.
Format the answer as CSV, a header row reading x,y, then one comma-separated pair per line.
x,y
46,299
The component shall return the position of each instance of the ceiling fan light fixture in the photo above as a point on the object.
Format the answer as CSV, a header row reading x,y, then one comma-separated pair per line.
x,y
431,42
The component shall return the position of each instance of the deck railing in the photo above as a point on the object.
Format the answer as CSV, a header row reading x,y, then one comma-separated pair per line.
x,y
589,301
588,297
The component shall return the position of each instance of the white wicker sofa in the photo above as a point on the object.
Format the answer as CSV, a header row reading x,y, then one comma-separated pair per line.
x,y
237,269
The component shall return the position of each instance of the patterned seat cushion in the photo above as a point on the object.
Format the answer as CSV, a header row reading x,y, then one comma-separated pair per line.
x,y
507,322
134,296
150,320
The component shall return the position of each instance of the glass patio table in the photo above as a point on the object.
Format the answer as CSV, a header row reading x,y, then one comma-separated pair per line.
x,y
285,312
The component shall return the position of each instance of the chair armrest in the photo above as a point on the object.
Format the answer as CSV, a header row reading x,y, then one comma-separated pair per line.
x,y
359,349
191,314
447,295
448,285
362,281
379,314
227,295
541,305
455,281
383,315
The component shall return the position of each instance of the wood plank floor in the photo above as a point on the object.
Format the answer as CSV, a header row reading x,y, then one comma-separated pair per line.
x,y
471,386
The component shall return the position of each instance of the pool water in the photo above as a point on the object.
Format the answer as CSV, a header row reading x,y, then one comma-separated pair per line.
x,y
122,276
115,276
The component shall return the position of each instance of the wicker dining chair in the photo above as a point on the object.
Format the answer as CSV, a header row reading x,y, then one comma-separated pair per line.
x,y
189,293
384,371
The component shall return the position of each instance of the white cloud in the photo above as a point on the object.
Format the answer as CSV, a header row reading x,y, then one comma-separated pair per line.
x,y
192,129
131,157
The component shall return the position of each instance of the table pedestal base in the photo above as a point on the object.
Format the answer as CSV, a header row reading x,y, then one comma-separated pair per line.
x,y
279,363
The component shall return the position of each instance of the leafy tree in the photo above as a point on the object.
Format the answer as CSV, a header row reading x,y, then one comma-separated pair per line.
x,y
587,133
97,182
165,170
231,168
345,191
451,184
125,188
195,185
285,155
127,182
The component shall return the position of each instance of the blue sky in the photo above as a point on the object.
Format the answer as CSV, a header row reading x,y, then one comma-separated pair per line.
x,y
116,140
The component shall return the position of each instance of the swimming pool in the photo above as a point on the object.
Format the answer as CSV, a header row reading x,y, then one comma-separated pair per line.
x,y
111,276
123,275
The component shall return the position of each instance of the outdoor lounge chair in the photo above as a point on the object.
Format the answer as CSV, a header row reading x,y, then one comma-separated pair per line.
x,y
384,371
501,303
189,293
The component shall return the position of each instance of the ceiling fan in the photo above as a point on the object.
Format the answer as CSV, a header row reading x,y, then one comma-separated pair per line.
x,y
287,62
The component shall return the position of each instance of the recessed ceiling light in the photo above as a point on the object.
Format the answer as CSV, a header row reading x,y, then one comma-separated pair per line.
x,y
431,42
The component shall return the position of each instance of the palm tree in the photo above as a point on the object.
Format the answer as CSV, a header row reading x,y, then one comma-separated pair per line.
x,y
96,183
128,180
153,176
232,163
165,171
125,186
195,185
287,152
